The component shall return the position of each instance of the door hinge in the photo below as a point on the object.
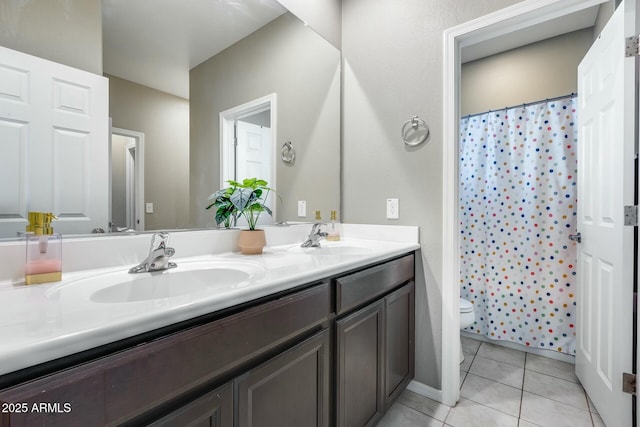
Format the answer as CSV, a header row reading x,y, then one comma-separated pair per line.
x,y
632,46
631,216
629,383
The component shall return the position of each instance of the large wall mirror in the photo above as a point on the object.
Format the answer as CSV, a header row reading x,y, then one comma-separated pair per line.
x,y
222,54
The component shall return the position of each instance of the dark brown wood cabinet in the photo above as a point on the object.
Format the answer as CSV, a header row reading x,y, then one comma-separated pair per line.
x,y
292,389
131,386
337,352
214,409
360,367
399,341
375,344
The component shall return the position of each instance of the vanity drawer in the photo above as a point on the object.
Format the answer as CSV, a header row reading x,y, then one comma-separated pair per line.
x,y
119,387
358,288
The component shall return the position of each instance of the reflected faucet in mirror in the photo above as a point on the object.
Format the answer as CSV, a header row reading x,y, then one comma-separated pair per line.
x,y
313,240
159,254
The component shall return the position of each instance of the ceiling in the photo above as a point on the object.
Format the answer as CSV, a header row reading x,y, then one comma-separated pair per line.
x,y
585,18
156,42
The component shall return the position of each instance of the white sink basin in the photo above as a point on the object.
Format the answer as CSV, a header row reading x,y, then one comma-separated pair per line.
x,y
186,279
169,284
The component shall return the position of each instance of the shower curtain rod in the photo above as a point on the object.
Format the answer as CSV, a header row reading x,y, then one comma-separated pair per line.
x,y
526,104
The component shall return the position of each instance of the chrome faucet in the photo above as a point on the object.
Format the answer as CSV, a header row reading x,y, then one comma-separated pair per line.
x,y
313,241
159,254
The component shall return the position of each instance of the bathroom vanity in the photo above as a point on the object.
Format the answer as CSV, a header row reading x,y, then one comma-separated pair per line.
x,y
329,343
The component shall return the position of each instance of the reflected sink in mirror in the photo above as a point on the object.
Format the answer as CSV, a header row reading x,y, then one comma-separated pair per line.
x,y
187,279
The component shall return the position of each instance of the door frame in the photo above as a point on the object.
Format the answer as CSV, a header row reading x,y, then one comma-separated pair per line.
x,y
227,121
501,22
138,164
130,186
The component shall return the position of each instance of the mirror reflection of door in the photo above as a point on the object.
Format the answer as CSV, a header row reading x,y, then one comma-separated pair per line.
x,y
247,135
127,186
253,149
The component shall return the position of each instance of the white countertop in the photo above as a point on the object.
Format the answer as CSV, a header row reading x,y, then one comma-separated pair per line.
x,y
39,323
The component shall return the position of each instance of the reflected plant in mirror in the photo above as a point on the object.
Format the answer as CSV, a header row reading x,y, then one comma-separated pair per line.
x,y
225,211
250,199
247,200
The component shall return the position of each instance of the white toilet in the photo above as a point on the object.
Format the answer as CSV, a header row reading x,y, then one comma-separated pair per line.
x,y
467,317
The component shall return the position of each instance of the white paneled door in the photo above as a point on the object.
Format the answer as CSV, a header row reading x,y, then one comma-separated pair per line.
x,y
54,144
253,158
606,149
253,151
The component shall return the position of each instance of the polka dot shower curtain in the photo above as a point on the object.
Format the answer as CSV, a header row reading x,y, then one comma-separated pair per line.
x,y
517,209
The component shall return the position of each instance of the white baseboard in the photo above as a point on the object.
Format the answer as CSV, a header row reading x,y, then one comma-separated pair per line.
x,y
551,354
425,390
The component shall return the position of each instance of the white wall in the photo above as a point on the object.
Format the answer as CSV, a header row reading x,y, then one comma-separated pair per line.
x,y
392,70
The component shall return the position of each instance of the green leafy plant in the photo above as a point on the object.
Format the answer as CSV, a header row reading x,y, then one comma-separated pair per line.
x,y
247,199
225,210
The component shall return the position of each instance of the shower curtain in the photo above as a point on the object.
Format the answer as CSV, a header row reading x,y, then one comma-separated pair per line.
x,y
517,209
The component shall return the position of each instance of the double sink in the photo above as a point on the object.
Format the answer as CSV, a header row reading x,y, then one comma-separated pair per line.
x,y
94,307
196,276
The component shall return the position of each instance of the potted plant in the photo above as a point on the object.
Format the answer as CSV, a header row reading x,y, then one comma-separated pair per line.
x,y
246,199
226,212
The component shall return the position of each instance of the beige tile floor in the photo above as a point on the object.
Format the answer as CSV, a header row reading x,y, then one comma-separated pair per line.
x,y
502,387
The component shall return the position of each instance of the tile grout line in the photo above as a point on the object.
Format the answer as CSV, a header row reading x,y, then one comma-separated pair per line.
x,y
586,396
473,358
554,376
524,372
497,382
420,412
559,401
525,369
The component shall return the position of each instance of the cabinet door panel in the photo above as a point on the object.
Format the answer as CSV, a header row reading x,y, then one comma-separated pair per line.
x,y
214,409
360,367
291,389
400,340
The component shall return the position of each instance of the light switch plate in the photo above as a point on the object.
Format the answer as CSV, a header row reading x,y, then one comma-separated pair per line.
x,y
149,207
302,208
393,208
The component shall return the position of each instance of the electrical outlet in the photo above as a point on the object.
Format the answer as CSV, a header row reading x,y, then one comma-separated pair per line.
x,y
393,209
149,207
302,208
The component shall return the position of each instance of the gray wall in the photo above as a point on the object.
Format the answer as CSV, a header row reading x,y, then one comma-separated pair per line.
x,y
541,70
64,31
302,68
393,70
164,119
261,119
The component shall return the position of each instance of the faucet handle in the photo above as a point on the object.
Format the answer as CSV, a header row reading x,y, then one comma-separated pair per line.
x,y
162,238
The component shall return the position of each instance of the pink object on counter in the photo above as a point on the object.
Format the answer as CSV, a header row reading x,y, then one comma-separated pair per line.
x,y
43,266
